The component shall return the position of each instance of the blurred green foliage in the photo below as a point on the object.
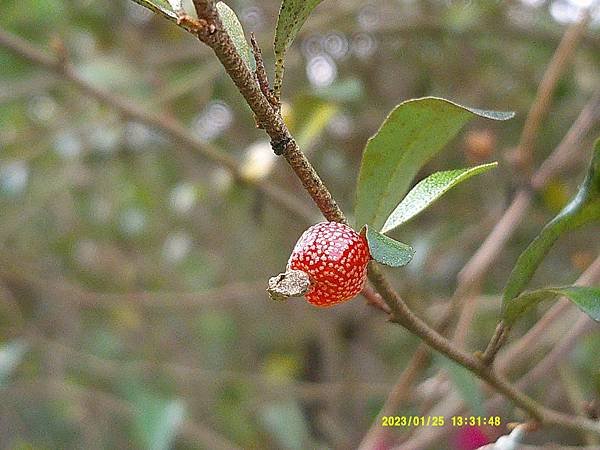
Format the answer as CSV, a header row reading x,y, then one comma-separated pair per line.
x,y
132,275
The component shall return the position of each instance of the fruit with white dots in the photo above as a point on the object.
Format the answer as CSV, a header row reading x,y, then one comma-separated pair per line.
x,y
335,258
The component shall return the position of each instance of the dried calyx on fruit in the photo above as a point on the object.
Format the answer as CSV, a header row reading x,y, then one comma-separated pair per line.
x,y
328,265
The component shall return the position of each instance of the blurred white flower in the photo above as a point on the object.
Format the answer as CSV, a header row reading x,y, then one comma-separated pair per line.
x,y
312,46
67,144
363,45
14,177
42,109
132,221
568,11
368,17
340,125
336,44
215,119
138,136
221,180
321,71
176,247
104,138
183,198
258,161
252,17
533,3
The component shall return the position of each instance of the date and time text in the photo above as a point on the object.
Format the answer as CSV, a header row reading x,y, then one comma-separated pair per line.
x,y
440,421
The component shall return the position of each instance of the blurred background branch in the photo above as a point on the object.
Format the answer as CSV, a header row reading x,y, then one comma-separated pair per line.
x,y
100,209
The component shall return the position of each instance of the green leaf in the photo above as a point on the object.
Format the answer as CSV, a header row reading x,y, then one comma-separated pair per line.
x,y
287,424
346,90
11,355
413,133
586,298
158,6
312,116
466,384
428,191
158,420
292,15
386,250
582,209
236,33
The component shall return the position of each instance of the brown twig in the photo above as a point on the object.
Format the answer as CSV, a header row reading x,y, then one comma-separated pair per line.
x,y
171,128
220,42
539,109
473,272
217,38
400,393
496,342
511,356
192,432
403,316
523,348
261,74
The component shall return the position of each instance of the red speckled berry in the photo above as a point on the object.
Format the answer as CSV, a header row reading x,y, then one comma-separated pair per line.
x,y
335,257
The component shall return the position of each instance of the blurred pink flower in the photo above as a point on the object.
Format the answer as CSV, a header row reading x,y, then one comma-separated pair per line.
x,y
470,438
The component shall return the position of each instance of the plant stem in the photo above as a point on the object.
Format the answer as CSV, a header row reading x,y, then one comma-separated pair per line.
x,y
496,342
214,35
221,44
402,315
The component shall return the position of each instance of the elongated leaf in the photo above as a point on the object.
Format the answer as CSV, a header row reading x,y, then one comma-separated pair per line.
x,y
157,421
582,209
586,298
428,191
312,116
287,425
386,250
11,355
466,384
160,7
292,15
166,9
413,132
236,33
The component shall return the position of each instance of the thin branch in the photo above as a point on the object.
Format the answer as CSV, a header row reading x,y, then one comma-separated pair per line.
x,y
562,157
522,350
261,74
217,38
168,126
395,398
541,105
194,433
283,143
403,316
478,265
112,370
